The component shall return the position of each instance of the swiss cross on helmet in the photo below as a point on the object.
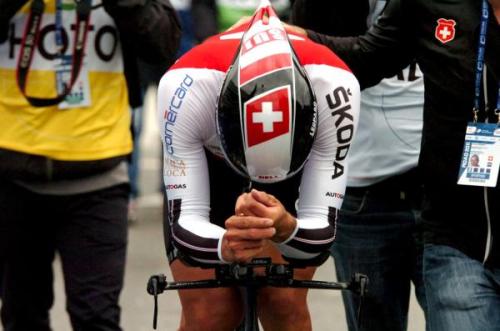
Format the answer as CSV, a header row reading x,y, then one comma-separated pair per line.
x,y
266,113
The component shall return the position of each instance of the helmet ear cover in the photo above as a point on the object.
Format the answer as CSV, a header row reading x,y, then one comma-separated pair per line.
x,y
266,111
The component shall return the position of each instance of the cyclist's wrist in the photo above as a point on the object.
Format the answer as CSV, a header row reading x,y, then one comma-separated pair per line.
x,y
285,229
224,254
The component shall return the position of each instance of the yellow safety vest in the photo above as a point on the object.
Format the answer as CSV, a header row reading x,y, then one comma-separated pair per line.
x,y
97,127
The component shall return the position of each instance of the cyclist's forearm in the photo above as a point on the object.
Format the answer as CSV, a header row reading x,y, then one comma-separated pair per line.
x,y
312,237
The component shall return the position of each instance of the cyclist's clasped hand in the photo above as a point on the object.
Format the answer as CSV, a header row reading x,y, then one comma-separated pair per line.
x,y
258,217
245,237
262,204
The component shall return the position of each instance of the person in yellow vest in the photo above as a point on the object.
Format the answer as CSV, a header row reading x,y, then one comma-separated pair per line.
x,y
64,141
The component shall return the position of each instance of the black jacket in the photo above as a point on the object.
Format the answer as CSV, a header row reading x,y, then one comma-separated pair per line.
x,y
336,18
150,34
453,214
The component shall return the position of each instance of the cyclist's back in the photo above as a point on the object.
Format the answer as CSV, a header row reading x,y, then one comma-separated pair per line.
x,y
199,75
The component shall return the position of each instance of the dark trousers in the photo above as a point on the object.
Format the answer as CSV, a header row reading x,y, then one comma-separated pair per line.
x,y
463,294
88,231
378,235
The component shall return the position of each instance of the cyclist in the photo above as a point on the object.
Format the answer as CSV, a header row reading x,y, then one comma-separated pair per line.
x,y
247,109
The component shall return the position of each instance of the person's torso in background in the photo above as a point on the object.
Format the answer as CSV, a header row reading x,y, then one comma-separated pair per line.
x,y
230,11
388,138
96,122
183,8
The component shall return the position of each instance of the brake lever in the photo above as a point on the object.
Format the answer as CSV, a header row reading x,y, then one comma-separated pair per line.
x,y
156,285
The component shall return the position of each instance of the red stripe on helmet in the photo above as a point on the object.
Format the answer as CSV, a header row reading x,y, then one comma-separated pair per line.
x,y
265,65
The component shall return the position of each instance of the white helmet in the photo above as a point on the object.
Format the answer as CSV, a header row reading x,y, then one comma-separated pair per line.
x,y
266,114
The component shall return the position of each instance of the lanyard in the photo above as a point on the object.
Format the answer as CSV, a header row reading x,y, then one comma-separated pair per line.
x,y
59,42
480,62
30,40
59,28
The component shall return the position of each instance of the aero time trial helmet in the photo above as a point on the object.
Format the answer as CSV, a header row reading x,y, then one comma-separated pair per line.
x,y
266,113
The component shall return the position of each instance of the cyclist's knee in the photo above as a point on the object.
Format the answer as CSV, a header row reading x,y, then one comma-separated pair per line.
x,y
285,303
209,320
284,309
207,312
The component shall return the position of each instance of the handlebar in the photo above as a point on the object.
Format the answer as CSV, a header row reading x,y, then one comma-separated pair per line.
x,y
245,275
274,275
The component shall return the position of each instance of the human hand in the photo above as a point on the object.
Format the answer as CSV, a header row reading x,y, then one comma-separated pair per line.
x,y
288,27
495,5
245,237
246,19
261,204
242,21
295,29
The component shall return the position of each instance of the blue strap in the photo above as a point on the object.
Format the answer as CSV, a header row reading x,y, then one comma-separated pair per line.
x,y
485,14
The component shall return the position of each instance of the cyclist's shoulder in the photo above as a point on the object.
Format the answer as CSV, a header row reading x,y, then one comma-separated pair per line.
x,y
215,53
312,53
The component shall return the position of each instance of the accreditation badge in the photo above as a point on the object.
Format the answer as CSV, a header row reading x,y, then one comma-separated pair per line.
x,y
481,155
79,96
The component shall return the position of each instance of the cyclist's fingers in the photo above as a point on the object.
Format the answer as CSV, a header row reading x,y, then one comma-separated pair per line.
x,y
244,256
246,244
242,248
249,234
243,203
248,222
247,204
264,198
251,208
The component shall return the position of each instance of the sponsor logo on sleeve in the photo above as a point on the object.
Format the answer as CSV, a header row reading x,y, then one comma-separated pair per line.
x,y
339,101
174,168
175,186
175,106
334,195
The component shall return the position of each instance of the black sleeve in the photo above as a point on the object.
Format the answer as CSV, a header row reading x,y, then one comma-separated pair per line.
x,y
334,17
8,8
204,13
152,26
493,49
381,52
